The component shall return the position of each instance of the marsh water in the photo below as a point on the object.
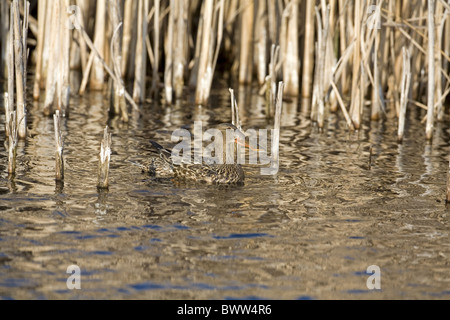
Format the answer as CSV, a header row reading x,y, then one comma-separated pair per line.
x,y
341,202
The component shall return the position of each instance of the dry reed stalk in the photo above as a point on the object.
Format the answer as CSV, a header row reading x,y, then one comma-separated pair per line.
x,y
271,87
168,72
291,67
231,9
431,71
261,40
42,8
105,157
95,53
439,77
275,146
323,29
52,74
246,43
86,73
47,45
331,58
156,31
272,21
7,113
20,57
376,88
11,71
193,79
418,59
83,6
12,142
128,26
447,43
277,124
212,24
405,87
234,111
356,103
59,147
343,43
64,62
4,29
180,47
97,72
118,90
141,53
342,105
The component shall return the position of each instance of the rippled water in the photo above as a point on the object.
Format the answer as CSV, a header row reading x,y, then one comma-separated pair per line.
x,y
310,232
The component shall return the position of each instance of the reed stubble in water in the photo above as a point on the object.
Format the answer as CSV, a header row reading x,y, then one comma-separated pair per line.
x,y
59,147
12,142
105,156
405,87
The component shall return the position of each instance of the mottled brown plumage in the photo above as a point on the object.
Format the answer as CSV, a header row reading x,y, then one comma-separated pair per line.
x,y
161,165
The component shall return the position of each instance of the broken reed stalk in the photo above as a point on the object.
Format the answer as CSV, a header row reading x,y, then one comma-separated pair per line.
x,y
59,147
12,143
276,127
234,111
431,71
271,86
405,85
105,156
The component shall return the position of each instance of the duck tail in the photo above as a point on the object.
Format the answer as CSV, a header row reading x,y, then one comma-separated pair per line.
x,y
163,152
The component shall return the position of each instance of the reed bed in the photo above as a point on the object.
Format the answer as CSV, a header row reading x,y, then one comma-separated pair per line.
x,y
333,55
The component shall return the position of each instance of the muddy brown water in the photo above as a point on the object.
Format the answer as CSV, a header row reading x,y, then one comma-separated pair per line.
x,y
310,232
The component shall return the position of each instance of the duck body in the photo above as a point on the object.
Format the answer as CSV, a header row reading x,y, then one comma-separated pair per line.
x,y
161,166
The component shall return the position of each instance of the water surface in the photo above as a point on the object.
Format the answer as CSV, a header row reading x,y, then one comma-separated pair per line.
x,y
310,232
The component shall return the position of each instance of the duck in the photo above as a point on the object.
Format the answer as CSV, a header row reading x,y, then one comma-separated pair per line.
x,y
162,165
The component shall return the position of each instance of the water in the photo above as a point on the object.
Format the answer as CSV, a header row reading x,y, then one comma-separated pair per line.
x,y
310,232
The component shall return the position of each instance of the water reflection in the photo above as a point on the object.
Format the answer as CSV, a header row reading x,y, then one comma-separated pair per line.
x,y
310,231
